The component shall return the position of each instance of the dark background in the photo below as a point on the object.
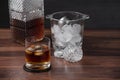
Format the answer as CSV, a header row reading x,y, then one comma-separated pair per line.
x,y
104,14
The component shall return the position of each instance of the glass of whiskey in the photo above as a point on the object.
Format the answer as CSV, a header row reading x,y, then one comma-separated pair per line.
x,y
37,54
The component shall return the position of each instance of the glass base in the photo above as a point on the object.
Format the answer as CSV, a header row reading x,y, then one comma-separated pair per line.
x,y
37,67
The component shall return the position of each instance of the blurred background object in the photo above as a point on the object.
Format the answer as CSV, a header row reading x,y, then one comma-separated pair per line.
x,y
104,14
4,14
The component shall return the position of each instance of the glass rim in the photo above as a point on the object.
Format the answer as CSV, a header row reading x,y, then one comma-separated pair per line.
x,y
84,16
34,39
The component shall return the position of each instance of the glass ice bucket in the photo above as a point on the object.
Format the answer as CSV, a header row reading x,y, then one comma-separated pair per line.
x,y
67,34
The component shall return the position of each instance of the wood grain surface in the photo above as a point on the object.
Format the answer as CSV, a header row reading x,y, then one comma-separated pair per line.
x,y
101,59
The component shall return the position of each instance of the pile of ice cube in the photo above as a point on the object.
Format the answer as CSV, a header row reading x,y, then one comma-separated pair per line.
x,y
26,9
67,41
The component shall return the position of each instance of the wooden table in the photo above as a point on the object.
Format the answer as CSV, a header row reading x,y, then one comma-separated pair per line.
x,y
101,59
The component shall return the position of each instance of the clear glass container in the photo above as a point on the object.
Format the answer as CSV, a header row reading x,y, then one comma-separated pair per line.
x,y
26,19
67,34
37,54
